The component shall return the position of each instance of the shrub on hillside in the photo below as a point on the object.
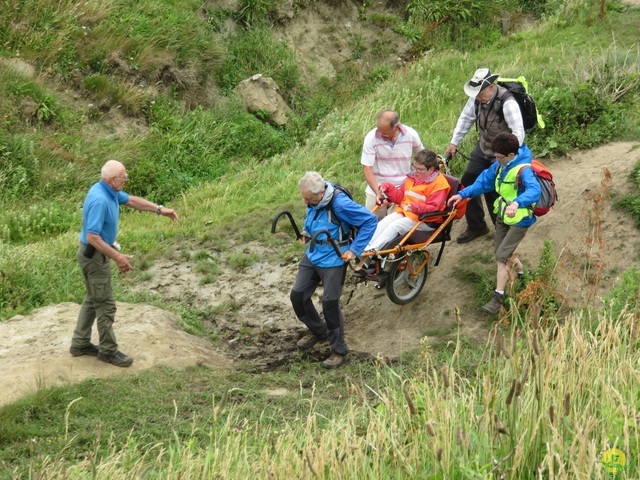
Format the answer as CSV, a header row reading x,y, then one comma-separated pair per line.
x,y
572,118
577,117
185,149
254,13
258,51
625,294
631,203
37,222
141,40
112,92
466,24
20,167
36,104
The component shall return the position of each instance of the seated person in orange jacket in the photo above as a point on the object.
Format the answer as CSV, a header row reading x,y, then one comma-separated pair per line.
x,y
425,190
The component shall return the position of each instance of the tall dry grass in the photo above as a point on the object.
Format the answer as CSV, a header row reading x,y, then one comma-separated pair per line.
x,y
545,402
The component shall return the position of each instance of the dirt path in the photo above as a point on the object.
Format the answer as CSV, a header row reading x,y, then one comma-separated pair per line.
x,y
34,350
251,309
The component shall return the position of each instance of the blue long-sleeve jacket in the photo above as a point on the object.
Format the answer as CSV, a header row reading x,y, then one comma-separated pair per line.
x,y
349,213
528,192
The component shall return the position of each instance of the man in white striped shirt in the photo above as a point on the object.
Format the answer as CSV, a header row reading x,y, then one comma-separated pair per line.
x,y
493,110
386,156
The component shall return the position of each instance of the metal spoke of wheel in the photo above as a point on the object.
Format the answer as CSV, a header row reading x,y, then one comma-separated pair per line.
x,y
402,286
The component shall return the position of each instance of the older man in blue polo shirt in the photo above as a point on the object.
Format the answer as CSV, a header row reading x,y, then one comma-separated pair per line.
x,y
101,211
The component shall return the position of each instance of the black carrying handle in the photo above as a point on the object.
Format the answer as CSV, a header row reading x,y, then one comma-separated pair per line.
x,y
274,223
334,244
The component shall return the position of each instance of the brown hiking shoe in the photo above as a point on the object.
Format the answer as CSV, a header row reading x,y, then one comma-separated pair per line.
x,y
335,361
308,341
494,305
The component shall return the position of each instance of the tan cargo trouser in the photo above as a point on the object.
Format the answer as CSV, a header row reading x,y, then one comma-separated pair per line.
x,y
99,304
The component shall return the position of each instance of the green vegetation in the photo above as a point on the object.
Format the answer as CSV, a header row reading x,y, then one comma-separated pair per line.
x,y
479,271
625,295
631,203
543,404
162,404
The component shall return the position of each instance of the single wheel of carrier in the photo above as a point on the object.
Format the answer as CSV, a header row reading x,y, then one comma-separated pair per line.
x,y
407,277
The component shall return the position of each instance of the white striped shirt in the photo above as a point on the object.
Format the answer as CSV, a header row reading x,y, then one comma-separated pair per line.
x,y
390,162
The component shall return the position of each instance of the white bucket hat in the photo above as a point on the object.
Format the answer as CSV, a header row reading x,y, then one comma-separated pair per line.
x,y
480,80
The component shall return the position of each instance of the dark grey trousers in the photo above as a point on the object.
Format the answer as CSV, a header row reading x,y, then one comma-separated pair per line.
x,y
99,304
478,162
309,276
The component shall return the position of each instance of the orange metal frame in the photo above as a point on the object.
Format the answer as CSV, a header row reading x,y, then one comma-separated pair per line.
x,y
402,248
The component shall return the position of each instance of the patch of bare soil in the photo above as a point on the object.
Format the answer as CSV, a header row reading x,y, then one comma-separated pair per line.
x,y
34,349
258,329
326,35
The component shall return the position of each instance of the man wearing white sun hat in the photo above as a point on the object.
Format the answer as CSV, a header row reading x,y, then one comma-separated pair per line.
x,y
493,110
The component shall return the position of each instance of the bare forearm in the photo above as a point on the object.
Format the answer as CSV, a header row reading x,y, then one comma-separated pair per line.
x,y
370,178
141,204
102,246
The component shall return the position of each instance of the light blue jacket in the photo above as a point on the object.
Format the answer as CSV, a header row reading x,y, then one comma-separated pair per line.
x,y
528,192
349,213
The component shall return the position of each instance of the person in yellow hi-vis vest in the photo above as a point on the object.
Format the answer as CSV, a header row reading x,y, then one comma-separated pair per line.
x,y
512,177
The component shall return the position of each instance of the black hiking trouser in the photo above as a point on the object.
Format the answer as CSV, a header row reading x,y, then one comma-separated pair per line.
x,y
308,279
478,162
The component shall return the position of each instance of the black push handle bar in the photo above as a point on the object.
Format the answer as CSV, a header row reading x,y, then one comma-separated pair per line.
x,y
274,223
314,240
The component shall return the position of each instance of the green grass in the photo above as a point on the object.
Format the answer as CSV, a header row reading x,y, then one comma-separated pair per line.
x,y
546,401
631,203
162,403
479,271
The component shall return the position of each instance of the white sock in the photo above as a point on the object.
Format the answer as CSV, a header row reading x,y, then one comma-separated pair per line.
x,y
501,292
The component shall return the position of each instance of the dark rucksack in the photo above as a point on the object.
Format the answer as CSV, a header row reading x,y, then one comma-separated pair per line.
x,y
519,89
347,232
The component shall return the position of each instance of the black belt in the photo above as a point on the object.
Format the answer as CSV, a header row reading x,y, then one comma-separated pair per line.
x,y
90,250
327,242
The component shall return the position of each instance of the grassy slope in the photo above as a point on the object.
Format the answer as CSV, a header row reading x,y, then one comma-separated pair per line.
x,y
374,435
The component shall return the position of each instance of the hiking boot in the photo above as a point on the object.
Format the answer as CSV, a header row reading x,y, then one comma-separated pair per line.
x,y
118,359
335,361
90,349
494,305
365,272
308,341
469,235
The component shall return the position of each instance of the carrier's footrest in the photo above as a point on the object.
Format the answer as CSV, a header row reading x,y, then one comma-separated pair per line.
x,y
370,274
